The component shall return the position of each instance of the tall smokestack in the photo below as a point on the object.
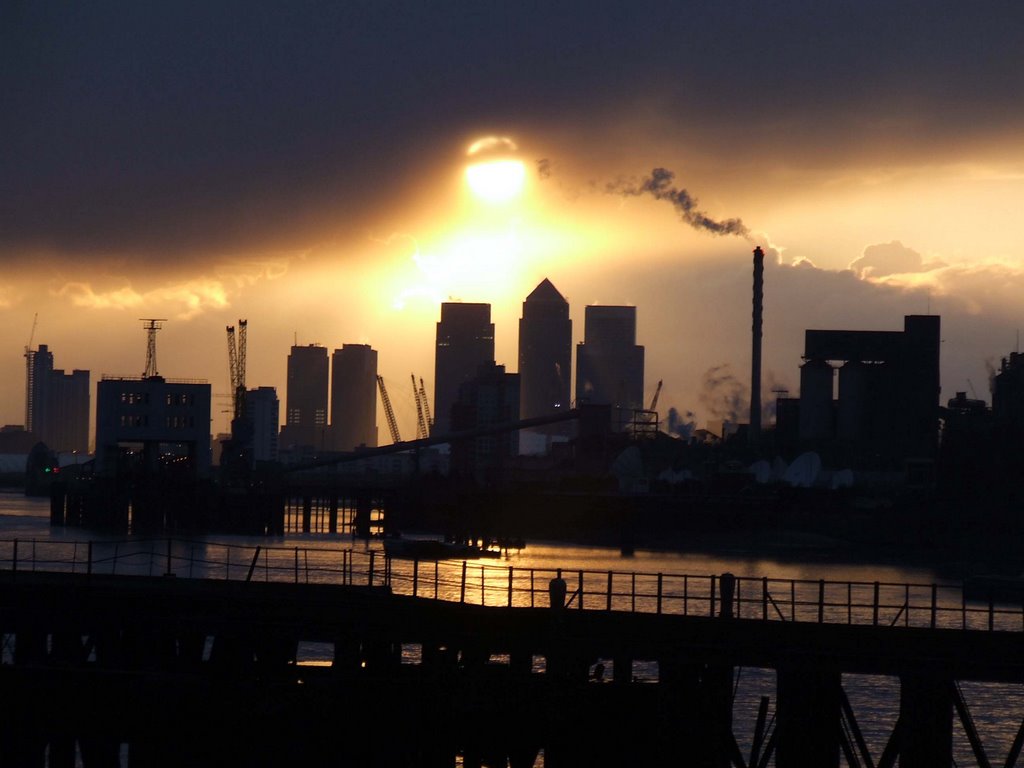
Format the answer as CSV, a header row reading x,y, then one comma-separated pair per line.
x,y
755,356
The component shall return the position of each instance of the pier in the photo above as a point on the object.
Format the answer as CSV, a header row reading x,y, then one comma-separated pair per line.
x,y
189,652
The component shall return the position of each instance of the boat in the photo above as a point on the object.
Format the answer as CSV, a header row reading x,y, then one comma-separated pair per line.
x,y
435,549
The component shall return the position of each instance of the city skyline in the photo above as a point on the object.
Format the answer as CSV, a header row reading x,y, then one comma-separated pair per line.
x,y
199,165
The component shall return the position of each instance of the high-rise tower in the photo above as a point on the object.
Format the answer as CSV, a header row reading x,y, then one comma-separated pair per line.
x,y
353,397
545,353
609,363
58,407
465,341
306,398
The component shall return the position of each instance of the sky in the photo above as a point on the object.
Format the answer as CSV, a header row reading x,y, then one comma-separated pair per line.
x,y
302,165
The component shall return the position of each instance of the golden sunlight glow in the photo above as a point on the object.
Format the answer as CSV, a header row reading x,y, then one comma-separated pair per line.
x,y
496,181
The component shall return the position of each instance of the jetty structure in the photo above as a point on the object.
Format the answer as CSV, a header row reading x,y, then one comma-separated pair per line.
x,y
212,655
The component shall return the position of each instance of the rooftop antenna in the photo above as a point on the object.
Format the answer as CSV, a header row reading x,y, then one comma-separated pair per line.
x,y
152,326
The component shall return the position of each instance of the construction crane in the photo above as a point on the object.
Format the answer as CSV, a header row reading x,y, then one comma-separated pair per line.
x,y
388,412
654,400
426,407
30,376
236,366
421,421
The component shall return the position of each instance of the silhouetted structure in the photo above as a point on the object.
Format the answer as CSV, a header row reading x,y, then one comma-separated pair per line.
x,y
1008,399
755,355
262,409
57,407
353,397
489,399
465,340
545,355
306,398
609,363
887,409
162,419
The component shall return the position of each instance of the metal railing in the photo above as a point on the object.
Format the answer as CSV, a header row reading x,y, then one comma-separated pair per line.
x,y
762,598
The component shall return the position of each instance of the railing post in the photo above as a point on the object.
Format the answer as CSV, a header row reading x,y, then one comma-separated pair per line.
x,y
579,588
510,586
764,598
821,601
991,611
632,592
437,579
609,606
415,576
297,565
532,572
483,587
14,557
462,589
659,594
712,597
728,586
874,610
935,603
369,576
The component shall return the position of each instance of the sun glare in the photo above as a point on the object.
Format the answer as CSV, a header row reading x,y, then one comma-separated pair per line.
x,y
496,181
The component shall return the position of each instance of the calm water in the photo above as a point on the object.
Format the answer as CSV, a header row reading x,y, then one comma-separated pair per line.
x,y
997,709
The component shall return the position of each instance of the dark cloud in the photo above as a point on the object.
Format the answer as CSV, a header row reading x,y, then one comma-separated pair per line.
x,y
194,128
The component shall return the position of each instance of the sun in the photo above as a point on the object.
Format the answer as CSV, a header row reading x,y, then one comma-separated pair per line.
x,y
496,181
494,175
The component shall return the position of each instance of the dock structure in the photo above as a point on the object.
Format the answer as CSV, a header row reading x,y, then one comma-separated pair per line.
x,y
114,649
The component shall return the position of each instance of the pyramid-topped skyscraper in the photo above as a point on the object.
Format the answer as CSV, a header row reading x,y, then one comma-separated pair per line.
x,y
545,353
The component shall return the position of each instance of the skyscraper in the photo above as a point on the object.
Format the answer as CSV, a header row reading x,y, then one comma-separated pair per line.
x,y
353,397
465,341
262,408
609,363
489,398
57,407
306,399
545,352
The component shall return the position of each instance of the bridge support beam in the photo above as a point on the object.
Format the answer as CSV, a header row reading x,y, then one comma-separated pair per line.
x,y
808,714
926,720
307,514
364,508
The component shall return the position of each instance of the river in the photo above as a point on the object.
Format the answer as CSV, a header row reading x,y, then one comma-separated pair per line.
x,y
997,709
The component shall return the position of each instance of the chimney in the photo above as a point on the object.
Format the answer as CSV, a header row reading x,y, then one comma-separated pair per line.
x,y
755,356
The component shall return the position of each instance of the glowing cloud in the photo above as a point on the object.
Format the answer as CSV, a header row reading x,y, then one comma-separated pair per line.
x,y
490,144
192,297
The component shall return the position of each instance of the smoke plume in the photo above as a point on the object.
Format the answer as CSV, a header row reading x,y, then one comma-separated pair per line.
x,y
660,186
679,424
723,395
